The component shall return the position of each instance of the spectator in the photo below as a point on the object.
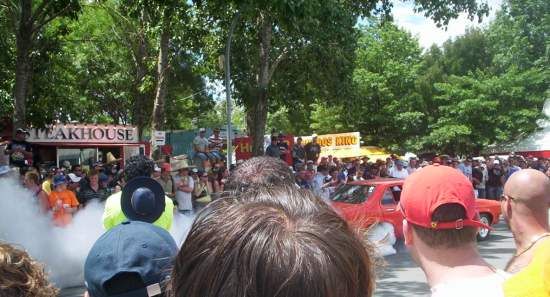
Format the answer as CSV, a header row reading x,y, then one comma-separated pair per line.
x,y
184,184
167,181
283,146
466,168
525,204
298,153
440,229
135,166
19,149
319,181
312,149
200,147
93,191
21,275
333,180
156,172
280,243
259,171
479,177
47,183
62,202
132,259
32,183
4,159
413,166
302,179
203,189
398,171
216,144
77,170
73,183
495,181
272,149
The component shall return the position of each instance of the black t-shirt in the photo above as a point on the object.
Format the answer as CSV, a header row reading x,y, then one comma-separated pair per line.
x,y
312,151
17,159
494,177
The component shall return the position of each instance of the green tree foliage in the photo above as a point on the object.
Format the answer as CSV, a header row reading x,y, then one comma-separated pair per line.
x,y
294,51
472,92
384,106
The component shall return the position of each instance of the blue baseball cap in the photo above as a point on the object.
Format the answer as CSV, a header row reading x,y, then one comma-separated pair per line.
x,y
133,259
59,180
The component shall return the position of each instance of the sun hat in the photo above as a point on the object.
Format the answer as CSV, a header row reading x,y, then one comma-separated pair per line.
x,y
433,186
73,178
134,255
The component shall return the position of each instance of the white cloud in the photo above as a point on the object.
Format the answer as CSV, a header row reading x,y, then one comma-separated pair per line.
x,y
426,30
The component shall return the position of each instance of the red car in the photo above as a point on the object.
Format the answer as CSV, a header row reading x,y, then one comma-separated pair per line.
x,y
370,201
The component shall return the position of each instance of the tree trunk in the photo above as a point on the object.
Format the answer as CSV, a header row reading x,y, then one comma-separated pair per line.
x,y
140,104
256,116
162,69
23,69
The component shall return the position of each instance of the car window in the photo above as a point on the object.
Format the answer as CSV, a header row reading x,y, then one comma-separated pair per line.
x,y
392,195
354,194
387,198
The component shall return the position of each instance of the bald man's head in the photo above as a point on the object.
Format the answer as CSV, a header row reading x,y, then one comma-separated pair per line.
x,y
529,192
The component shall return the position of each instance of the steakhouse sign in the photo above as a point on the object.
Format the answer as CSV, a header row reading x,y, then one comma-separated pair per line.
x,y
84,134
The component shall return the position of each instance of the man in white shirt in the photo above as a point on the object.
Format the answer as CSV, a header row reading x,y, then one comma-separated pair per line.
x,y
398,171
440,227
319,181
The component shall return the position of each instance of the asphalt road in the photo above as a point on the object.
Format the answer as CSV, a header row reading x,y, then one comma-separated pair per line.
x,y
399,276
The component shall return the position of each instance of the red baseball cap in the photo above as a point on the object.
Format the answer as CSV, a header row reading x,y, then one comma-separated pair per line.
x,y
433,186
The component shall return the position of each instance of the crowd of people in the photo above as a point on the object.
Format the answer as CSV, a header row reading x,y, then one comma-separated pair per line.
x,y
266,237
265,225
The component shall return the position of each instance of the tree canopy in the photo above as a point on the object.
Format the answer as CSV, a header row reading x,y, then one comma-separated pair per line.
x,y
296,66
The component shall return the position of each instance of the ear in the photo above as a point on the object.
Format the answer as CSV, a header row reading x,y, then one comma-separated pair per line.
x,y
407,233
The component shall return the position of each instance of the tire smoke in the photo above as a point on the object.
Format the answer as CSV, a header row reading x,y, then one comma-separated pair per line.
x,y
62,250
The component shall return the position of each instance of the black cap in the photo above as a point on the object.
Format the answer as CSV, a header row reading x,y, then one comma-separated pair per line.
x,y
143,199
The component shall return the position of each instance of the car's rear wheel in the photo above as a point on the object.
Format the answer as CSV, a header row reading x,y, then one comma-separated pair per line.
x,y
483,233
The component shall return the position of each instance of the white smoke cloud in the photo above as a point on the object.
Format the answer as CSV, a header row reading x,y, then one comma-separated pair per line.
x,y
62,250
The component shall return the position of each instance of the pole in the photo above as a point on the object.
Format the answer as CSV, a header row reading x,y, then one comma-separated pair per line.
x,y
228,89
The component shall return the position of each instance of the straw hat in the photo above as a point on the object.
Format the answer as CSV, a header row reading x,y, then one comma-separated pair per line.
x,y
179,162
111,158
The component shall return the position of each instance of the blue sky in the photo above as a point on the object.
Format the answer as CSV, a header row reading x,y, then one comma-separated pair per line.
x,y
426,30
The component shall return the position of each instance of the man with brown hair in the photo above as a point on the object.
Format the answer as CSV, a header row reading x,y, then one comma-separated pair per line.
x,y
440,227
260,171
281,242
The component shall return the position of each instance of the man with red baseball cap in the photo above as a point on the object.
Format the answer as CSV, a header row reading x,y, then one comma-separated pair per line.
x,y
440,226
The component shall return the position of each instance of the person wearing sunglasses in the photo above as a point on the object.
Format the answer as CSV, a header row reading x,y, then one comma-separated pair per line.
x,y
525,204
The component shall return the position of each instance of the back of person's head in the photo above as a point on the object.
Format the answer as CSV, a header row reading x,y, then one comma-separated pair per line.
x,y
272,247
133,259
21,276
32,177
138,165
438,202
259,171
526,200
447,238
